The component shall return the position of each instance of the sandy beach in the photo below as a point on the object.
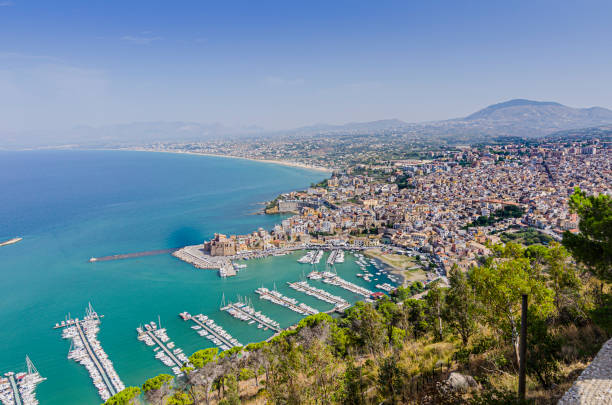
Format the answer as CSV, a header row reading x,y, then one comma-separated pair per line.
x,y
399,267
275,162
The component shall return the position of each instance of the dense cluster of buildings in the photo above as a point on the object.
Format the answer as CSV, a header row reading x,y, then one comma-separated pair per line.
x,y
426,205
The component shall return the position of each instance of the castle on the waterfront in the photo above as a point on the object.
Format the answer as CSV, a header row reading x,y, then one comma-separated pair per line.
x,y
221,245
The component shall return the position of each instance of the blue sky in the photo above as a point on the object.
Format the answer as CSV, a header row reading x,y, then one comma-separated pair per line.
x,y
282,64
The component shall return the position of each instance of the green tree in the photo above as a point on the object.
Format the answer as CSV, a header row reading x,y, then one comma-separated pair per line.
x,y
365,326
593,245
460,309
416,318
390,380
435,308
499,288
179,398
203,357
232,391
128,396
355,385
157,388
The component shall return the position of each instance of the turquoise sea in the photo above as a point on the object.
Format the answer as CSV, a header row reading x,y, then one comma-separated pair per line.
x,y
72,205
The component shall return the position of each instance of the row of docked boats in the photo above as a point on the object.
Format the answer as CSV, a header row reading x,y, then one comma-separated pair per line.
x,y
290,303
207,328
336,256
165,350
385,287
245,312
311,257
87,350
334,279
303,286
19,388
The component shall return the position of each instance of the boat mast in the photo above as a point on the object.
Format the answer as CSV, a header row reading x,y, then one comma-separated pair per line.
x,y
30,366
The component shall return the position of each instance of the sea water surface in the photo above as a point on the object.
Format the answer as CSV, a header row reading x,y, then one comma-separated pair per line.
x,y
72,205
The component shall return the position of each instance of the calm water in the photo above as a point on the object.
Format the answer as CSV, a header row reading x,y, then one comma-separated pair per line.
x,y
71,205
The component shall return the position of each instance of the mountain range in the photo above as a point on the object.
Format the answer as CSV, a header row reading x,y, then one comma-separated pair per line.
x,y
518,117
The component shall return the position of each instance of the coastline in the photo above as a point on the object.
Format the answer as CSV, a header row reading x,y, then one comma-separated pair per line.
x,y
393,269
270,161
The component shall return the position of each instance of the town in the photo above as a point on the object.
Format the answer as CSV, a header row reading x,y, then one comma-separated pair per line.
x,y
440,211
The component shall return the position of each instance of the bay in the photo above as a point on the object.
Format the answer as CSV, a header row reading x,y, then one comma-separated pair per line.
x,y
72,205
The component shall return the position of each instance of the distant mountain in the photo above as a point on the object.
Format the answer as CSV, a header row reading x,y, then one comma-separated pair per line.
x,y
533,118
519,117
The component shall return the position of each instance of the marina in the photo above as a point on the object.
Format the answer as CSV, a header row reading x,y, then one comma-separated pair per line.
x,y
311,257
207,328
340,303
279,299
87,350
18,388
165,350
247,313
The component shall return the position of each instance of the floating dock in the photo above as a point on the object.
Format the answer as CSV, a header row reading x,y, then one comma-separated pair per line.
x,y
165,351
340,303
207,328
279,299
18,388
247,313
333,279
336,256
311,257
86,349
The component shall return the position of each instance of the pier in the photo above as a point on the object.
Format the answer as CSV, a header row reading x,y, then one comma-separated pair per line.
x,y
333,279
226,341
175,359
86,349
279,299
132,255
246,313
21,386
92,355
16,394
339,303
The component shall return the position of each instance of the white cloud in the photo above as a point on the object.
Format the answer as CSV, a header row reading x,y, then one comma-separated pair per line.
x,y
140,39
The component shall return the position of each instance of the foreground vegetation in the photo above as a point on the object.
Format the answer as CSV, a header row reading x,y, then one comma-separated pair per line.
x,y
404,350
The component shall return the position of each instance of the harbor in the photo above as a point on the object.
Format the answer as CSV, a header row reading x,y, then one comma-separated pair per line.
x,y
207,328
165,350
246,313
19,388
87,350
279,299
339,303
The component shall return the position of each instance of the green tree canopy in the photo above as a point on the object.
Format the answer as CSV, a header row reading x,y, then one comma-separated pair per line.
x,y
129,396
499,287
593,245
